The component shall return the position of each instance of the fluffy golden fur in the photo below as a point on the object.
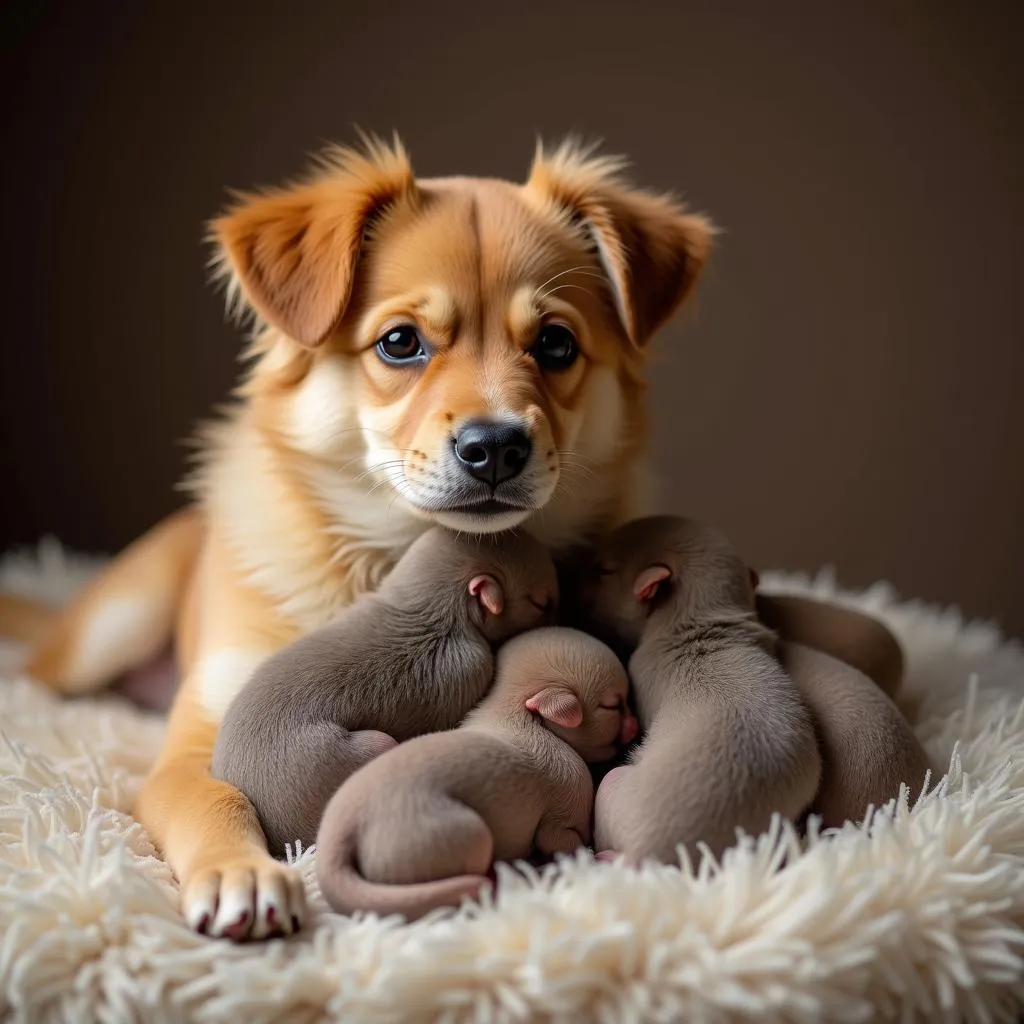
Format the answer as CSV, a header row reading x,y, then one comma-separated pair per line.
x,y
331,461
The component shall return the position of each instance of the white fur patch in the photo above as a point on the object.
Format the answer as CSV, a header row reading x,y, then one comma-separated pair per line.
x,y
322,409
364,511
120,633
377,425
221,674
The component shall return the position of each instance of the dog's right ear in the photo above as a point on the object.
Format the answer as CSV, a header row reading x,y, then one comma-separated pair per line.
x,y
652,248
292,252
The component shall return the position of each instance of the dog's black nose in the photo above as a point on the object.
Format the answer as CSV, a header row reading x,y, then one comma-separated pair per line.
x,y
491,451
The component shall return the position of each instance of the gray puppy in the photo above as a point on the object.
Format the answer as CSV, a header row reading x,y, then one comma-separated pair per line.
x,y
867,746
420,826
728,739
412,658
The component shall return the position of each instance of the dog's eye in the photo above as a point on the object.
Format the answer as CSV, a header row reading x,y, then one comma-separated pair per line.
x,y
401,344
555,347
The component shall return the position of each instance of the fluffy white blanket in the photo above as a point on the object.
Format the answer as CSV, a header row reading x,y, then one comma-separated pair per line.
x,y
917,916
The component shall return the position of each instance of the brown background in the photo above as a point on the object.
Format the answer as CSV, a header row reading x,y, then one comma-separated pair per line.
x,y
850,389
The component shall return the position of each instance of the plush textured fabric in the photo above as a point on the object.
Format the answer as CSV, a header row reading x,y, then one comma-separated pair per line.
x,y
918,916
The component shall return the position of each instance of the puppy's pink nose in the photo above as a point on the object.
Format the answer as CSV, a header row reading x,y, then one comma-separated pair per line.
x,y
630,727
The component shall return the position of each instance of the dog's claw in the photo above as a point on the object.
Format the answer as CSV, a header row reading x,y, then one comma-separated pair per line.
x,y
239,928
245,899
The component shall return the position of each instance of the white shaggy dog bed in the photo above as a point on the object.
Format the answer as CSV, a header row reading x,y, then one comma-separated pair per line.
x,y
918,916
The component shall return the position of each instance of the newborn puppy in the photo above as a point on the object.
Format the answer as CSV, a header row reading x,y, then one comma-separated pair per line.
x,y
420,826
728,738
867,746
412,658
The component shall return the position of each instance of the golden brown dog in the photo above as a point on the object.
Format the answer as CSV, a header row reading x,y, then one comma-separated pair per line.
x,y
461,351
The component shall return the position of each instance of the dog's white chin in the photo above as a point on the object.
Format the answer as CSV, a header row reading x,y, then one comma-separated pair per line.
x,y
465,522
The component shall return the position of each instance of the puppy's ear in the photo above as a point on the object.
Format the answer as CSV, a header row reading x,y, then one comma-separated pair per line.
x,y
291,253
651,247
558,706
755,579
645,586
487,590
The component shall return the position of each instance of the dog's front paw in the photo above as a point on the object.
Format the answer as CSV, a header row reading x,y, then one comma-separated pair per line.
x,y
241,898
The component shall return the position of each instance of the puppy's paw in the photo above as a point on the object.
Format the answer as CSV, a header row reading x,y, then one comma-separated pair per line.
x,y
247,897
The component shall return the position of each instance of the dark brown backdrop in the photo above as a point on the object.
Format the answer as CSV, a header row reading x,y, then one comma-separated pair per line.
x,y
850,389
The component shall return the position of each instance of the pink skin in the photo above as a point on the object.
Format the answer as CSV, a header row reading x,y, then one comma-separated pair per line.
x,y
647,583
488,592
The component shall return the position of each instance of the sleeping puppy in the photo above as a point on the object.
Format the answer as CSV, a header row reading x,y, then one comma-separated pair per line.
x,y
867,747
414,657
728,739
420,826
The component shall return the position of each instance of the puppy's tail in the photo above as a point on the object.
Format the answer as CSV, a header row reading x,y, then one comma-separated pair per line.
x,y
347,891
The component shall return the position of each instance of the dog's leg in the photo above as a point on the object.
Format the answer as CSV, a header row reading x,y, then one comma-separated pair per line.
x,y
123,617
23,619
211,837
206,829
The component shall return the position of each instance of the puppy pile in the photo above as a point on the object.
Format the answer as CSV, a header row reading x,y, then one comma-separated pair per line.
x,y
445,722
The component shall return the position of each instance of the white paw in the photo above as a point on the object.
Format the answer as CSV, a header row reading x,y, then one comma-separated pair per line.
x,y
252,897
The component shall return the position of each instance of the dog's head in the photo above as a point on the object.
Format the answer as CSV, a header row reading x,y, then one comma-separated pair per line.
x,y
465,345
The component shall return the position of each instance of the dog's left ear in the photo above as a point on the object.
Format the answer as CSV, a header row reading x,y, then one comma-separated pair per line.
x,y
651,246
291,252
